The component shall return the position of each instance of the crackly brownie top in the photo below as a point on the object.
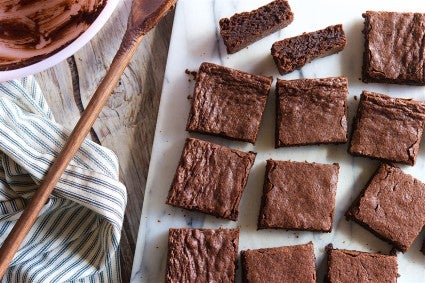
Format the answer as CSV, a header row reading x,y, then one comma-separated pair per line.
x,y
388,128
210,178
393,206
228,102
395,47
353,266
311,111
202,255
244,28
299,195
282,264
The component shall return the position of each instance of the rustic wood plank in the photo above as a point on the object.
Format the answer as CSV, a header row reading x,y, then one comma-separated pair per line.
x,y
127,123
57,87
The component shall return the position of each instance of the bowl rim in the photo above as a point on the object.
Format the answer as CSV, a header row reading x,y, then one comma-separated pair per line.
x,y
66,52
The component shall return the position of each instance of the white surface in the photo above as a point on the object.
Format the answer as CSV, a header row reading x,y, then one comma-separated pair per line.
x,y
67,51
196,39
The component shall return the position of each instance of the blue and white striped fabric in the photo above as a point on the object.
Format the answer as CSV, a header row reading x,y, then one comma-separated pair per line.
x,y
76,236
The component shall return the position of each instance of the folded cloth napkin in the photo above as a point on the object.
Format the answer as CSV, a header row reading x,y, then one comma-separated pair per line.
x,y
76,236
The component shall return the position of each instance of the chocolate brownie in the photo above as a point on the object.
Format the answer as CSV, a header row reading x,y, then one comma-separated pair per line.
x,y
387,128
394,48
228,103
245,28
392,206
311,111
202,255
298,196
423,247
294,52
210,178
282,264
346,266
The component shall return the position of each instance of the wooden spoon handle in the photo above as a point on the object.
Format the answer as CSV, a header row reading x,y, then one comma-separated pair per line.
x,y
85,123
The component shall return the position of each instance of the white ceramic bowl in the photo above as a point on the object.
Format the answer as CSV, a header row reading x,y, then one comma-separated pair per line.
x,y
68,51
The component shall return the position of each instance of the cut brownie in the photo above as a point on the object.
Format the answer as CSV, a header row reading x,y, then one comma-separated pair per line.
x,y
202,255
394,48
228,103
392,206
311,111
294,52
352,266
298,196
245,28
388,128
282,264
210,178
423,246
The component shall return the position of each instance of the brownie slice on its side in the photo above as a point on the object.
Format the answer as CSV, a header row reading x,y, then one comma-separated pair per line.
x,y
282,264
387,128
228,103
394,48
311,111
294,52
392,206
210,178
298,196
346,266
202,255
245,28
423,247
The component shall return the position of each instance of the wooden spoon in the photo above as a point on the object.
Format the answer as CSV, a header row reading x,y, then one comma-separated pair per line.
x,y
144,15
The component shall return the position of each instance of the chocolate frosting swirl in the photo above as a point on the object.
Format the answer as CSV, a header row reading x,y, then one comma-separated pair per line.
x,y
31,30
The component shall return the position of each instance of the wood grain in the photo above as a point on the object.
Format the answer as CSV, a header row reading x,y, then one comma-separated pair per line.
x,y
127,123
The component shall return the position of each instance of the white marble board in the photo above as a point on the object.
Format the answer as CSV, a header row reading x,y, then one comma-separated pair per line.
x,y
196,39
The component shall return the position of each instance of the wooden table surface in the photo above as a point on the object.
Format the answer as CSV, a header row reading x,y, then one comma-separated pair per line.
x,y
127,123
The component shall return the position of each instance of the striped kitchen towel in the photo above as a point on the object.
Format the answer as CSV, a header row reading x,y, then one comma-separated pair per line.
x,y
76,236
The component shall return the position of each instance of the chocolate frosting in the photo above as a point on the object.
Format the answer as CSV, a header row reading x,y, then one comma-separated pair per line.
x,y
33,30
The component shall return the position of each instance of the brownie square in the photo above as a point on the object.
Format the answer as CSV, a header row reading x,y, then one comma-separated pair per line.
x,y
394,48
245,28
298,196
282,264
346,266
228,103
202,255
388,128
392,206
294,52
311,111
210,178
